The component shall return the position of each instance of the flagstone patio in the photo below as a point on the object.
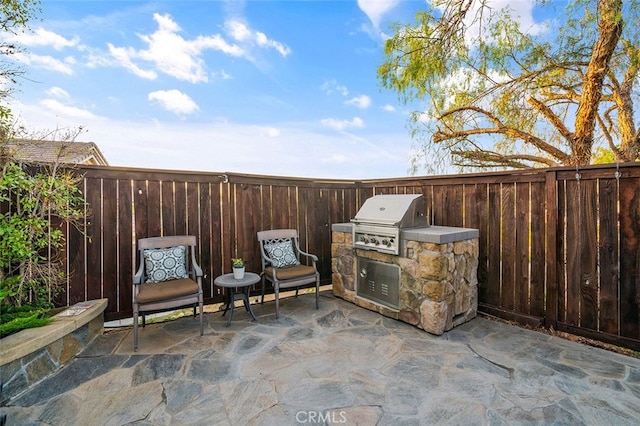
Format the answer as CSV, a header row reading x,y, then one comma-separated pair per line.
x,y
340,364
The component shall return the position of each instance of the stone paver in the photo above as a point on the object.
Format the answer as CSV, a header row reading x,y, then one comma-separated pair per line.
x,y
340,364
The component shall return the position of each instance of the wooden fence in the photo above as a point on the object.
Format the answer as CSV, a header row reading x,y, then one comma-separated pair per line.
x,y
558,247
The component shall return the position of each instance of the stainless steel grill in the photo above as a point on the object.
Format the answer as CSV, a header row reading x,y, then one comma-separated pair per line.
x,y
378,223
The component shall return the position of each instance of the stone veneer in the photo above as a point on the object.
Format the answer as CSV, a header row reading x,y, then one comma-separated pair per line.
x,y
30,355
438,275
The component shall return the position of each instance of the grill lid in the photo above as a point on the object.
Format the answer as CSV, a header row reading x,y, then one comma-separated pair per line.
x,y
400,210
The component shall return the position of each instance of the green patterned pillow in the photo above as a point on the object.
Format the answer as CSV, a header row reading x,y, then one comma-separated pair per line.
x,y
282,254
165,264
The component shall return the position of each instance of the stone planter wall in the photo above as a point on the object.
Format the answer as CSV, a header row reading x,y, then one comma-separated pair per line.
x,y
438,280
32,354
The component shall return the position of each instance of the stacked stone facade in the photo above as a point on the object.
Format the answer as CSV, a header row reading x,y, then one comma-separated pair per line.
x,y
438,282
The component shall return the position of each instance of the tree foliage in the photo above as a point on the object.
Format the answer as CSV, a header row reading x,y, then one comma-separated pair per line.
x,y
29,238
500,95
14,18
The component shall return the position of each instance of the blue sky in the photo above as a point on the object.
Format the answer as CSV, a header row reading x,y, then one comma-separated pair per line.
x,y
264,87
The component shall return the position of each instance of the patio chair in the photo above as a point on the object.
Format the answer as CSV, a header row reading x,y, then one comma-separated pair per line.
x,y
168,278
281,254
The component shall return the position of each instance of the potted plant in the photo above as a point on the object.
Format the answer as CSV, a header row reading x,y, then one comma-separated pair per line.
x,y
238,268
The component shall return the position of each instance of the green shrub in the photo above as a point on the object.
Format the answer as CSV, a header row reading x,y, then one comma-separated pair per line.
x,y
16,318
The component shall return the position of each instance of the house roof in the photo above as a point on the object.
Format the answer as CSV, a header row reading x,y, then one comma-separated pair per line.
x,y
36,151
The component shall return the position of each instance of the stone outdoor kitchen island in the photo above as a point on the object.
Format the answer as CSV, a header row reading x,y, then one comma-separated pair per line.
x,y
437,285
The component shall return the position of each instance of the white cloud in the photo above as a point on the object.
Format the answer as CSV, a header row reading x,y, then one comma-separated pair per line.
x,y
389,108
332,86
58,92
42,37
152,144
241,33
47,62
362,102
337,124
270,132
171,54
376,9
221,74
58,108
521,12
174,101
123,56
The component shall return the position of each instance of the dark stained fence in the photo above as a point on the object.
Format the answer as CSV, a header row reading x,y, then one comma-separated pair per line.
x,y
558,247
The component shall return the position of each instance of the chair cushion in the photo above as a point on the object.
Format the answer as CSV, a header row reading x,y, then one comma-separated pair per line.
x,y
165,264
281,253
291,272
155,292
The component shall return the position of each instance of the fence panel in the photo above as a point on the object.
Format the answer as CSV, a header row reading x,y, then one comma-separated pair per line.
x,y
552,248
630,258
537,283
609,321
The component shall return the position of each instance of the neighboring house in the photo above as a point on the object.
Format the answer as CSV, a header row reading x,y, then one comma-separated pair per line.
x,y
35,151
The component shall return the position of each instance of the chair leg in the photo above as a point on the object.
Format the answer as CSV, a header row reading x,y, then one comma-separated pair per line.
x,y
135,330
317,291
277,294
263,284
200,302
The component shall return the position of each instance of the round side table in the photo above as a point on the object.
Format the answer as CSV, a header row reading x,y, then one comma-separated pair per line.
x,y
229,282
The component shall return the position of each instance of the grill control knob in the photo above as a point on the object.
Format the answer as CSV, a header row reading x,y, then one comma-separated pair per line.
x,y
374,241
385,243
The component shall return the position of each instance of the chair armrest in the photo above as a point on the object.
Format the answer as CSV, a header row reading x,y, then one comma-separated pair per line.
x,y
269,260
312,256
137,278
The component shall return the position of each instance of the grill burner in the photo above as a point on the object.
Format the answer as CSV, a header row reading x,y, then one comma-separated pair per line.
x,y
378,223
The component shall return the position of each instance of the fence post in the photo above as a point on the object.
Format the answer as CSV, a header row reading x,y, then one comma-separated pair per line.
x,y
551,201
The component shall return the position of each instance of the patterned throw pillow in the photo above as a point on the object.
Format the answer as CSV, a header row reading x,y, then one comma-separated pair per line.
x,y
282,254
165,264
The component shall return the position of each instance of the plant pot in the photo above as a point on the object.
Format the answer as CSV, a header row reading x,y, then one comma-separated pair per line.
x,y
238,273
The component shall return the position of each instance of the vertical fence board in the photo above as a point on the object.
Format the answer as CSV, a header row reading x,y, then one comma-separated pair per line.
x,y
205,239
110,240
560,278
125,256
167,208
141,215
553,197
280,207
523,243
630,258
439,206
476,216
572,247
493,288
181,208
538,254
216,191
454,206
608,253
508,238
76,257
94,249
588,255
154,226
